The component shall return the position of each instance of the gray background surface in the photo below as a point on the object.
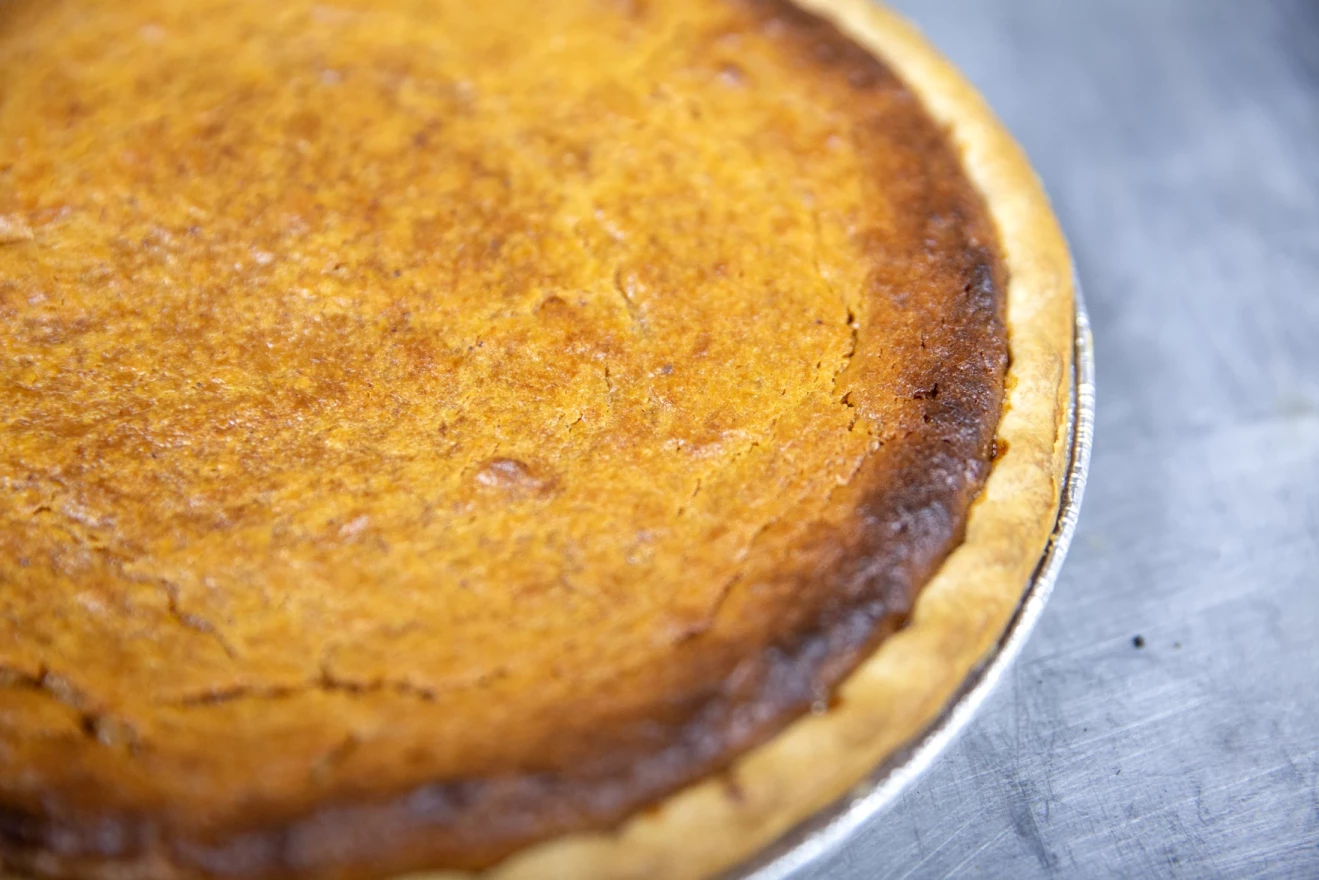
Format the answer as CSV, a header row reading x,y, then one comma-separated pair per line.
x,y
1180,142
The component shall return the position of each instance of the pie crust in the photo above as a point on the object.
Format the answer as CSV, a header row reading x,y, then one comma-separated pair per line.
x,y
959,614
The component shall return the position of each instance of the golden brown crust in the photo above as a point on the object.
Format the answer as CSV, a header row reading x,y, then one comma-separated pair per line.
x,y
908,679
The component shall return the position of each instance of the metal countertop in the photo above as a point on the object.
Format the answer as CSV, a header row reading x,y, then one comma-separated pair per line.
x,y
1163,720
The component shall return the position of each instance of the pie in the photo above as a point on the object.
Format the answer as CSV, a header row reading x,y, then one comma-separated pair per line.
x,y
570,439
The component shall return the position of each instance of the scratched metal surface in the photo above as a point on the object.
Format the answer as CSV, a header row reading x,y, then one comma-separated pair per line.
x,y
1180,141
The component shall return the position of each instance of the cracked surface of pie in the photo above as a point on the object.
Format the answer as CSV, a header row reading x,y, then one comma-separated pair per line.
x,y
431,426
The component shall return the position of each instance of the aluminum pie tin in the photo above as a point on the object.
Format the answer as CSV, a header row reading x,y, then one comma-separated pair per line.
x,y
793,855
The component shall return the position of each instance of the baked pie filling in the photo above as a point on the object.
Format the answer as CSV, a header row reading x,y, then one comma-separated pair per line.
x,y
430,427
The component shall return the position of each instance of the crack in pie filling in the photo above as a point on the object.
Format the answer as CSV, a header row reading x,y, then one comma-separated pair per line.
x,y
466,436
